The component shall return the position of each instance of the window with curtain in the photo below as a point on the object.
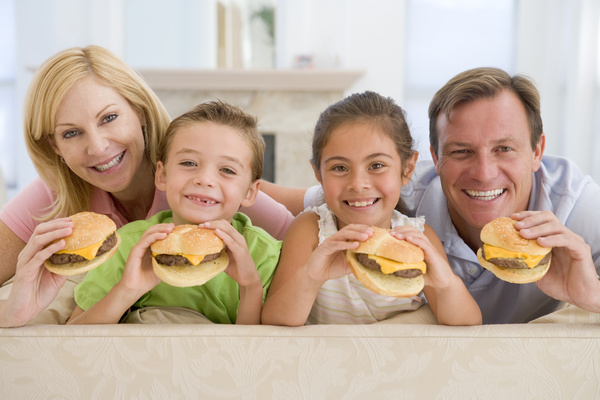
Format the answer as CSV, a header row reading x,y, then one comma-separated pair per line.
x,y
8,106
444,38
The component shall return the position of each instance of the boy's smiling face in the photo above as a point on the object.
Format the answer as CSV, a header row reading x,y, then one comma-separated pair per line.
x,y
207,175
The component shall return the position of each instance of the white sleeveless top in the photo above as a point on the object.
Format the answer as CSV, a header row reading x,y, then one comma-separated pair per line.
x,y
347,301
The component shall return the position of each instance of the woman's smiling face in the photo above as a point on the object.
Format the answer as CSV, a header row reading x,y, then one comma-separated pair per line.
x,y
99,135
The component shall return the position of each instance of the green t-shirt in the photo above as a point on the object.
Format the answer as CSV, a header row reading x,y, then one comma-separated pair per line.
x,y
218,299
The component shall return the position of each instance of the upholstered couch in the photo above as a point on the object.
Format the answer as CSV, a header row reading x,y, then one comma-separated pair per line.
x,y
408,357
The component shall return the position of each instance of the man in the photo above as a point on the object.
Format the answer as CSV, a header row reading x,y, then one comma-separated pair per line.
x,y
487,145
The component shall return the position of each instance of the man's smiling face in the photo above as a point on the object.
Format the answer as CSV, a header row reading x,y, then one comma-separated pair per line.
x,y
485,161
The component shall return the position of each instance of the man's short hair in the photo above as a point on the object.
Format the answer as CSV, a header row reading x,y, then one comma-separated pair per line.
x,y
480,83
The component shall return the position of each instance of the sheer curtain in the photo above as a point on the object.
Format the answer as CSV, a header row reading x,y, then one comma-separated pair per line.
x,y
557,44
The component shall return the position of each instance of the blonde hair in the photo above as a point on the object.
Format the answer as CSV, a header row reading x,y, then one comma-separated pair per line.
x,y
222,113
51,82
481,83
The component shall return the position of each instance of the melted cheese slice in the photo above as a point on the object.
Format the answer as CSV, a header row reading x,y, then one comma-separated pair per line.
x,y
390,266
195,260
497,252
89,252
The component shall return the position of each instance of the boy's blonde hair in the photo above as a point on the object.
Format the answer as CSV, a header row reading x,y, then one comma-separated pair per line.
x,y
51,82
222,113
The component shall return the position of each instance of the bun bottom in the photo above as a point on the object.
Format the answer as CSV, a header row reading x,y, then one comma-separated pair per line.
x,y
190,275
383,284
83,266
515,275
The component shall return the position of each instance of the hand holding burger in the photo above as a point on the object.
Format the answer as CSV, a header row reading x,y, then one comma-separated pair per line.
x,y
387,265
189,256
511,257
93,241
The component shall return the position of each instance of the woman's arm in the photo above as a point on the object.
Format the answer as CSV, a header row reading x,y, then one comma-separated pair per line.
x,y
12,245
34,286
270,215
291,198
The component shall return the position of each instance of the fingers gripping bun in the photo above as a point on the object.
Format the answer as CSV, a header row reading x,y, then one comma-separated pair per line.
x,y
501,232
510,249
87,247
383,244
189,241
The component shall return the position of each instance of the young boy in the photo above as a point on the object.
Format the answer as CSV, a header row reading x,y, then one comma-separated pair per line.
x,y
210,164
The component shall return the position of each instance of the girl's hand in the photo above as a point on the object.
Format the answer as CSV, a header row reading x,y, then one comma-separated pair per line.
x,y
241,266
138,275
328,261
34,286
439,274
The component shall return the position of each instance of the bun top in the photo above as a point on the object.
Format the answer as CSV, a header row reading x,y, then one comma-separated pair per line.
x,y
89,228
501,232
189,239
383,244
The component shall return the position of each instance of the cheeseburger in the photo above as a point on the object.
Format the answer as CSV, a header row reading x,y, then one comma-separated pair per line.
x,y
189,256
509,256
93,241
387,265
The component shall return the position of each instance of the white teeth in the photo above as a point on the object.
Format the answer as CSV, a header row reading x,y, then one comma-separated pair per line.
x,y
485,195
110,164
361,203
202,200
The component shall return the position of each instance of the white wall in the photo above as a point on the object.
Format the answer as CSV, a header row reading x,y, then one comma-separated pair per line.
x,y
555,42
352,34
45,27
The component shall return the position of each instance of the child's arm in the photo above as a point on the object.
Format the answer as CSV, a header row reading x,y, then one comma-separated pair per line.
x,y
138,278
304,266
446,293
241,269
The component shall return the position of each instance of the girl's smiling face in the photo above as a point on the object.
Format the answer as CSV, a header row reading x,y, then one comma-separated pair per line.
x,y
362,174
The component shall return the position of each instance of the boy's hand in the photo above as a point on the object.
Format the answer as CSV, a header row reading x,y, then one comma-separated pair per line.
x,y
241,266
138,275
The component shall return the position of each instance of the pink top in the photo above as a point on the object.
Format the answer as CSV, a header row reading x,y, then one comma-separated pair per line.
x,y
32,201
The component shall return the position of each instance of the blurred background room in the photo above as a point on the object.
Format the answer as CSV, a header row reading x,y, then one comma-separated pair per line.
x,y
286,60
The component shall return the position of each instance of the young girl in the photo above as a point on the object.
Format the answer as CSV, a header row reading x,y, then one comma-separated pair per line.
x,y
362,156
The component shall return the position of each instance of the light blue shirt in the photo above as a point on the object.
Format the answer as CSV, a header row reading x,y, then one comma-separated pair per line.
x,y
558,186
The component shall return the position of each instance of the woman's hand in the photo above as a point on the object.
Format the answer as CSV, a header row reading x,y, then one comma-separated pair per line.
x,y
34,286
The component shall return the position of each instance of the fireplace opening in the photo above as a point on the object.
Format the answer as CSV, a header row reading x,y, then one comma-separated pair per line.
x,y
269,161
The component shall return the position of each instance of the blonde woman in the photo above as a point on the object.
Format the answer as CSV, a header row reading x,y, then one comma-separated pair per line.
x,y
92,128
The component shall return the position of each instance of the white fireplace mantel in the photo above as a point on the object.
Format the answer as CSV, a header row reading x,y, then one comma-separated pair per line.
x,y
263,80
287,104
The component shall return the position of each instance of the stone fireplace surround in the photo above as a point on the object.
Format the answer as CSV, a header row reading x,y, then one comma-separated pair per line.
x,y
286,102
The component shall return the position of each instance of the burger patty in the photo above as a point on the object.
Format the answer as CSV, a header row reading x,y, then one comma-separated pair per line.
x,y
513,263
172,260
108,244
372,264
